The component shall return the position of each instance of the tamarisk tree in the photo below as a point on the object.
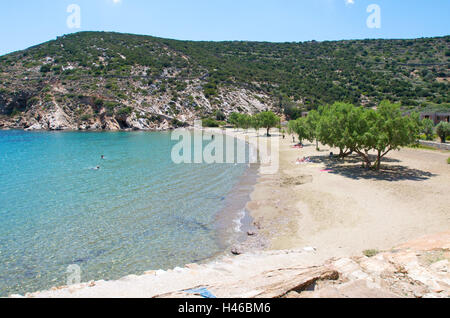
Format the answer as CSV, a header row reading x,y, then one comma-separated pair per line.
x,y
234,120
299,127
244,121
268,120
360,130
337,126
443,130
256,123
428,128
391,130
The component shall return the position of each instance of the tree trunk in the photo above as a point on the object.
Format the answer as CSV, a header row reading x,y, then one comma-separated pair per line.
x,y
344,154
378,163
366,159
369,163
268,131
380,157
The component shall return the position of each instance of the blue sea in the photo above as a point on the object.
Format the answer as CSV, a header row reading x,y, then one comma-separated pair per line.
x,y
139,211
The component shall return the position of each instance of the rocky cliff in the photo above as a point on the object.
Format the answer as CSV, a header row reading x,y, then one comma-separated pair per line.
x,y
55,111
84,82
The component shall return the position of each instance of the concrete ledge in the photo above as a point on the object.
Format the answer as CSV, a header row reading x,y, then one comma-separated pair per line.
x,y
437,145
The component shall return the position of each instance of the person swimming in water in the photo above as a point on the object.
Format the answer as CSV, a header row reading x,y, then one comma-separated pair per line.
x,y
103,157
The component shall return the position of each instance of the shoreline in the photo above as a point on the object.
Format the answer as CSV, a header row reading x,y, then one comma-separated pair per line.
x,y
229,214
250,239
318,211
335,209
91,130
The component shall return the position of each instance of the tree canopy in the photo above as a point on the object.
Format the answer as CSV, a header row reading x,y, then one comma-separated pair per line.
x,y
265,120
268,120
360,130
428,128
443,130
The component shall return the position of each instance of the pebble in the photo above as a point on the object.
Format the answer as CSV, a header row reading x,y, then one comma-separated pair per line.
x,y
236,251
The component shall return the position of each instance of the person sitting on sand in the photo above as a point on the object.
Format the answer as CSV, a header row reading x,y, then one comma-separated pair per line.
x,y
303,160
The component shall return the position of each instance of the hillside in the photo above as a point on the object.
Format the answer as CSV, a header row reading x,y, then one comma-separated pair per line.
x,y
98,80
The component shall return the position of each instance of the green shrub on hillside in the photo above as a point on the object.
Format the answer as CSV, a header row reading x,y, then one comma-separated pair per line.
x,y
219,115
45,68
297,77
210,122
85,117
309,73
125,111
15,112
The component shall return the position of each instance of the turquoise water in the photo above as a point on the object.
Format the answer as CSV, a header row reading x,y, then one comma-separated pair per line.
x,y
138,212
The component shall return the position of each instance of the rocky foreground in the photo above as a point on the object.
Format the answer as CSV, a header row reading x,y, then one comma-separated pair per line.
x,y
418,269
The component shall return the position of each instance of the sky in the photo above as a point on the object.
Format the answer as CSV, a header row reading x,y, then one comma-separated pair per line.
x,y
24,23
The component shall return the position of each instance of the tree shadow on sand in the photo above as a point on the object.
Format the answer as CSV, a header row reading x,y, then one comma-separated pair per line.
x,y
352,168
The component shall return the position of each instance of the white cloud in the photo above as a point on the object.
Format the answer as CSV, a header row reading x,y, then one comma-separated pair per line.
x,y
349,2
119,1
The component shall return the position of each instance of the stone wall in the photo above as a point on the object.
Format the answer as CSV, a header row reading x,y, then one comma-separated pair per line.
x,y
435,144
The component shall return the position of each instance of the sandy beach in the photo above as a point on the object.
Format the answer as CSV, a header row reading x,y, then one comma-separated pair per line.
x,y
341,209
306,214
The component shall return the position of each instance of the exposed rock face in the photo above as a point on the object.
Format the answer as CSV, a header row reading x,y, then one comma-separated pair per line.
x,y
145,112
419,269
58,89
58,120
15,101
